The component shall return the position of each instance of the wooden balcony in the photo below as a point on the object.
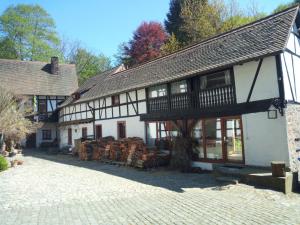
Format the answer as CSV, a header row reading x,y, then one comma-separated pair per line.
x,y
200,100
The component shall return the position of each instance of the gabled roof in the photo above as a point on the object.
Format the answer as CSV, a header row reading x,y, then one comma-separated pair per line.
x,y
261,38
34,78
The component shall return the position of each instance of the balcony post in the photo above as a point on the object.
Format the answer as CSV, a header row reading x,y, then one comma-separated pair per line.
x,y
169,97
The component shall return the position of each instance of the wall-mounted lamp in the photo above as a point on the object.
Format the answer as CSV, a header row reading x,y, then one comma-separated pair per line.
x,y
272,114
298,151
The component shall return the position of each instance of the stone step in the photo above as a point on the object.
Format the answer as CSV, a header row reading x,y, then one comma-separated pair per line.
x,y
226,179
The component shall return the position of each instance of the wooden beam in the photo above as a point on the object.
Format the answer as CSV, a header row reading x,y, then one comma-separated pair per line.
x,y
288,75
254,80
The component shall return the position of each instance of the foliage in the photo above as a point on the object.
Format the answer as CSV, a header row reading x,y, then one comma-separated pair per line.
x,y
172,45
89,64
200,20
3,164
195,20
174,20
31,32
7,49
285,6
13,123
145,44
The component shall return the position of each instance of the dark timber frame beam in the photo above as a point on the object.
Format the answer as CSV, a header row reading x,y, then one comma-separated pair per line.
x,y
254,80
289,79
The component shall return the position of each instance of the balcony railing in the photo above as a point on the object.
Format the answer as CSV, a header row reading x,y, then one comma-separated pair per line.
x,y
203,99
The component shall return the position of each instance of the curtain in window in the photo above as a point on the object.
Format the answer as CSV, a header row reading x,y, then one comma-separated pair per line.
x,y
227,78
203,82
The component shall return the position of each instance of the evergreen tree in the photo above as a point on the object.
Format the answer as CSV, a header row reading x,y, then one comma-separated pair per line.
x,y
174,20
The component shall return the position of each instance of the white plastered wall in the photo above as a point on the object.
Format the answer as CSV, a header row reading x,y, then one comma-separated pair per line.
x,y
265,140
134,127
291,67
39,133
76,132
266,85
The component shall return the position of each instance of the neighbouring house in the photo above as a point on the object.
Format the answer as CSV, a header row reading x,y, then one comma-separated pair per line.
x,y
39,88
236,94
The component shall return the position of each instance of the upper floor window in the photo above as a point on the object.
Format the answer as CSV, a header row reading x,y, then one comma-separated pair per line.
x,y
42,105
158,91
51,105
179,87
215,80
115,100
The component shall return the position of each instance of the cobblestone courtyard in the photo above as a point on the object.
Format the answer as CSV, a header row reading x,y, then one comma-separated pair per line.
x,y
62,190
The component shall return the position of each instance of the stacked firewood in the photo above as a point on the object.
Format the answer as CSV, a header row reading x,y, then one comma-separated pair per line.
x,y
130,151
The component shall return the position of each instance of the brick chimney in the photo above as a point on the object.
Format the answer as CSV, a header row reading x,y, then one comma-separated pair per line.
x,y
54,65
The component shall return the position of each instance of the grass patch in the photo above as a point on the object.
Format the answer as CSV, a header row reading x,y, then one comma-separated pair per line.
x,y
3,164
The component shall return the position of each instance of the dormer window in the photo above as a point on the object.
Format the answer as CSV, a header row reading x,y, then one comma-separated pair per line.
x,y
76,96
115,100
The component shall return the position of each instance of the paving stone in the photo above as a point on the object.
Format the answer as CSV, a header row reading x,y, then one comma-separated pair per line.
x,y
49,189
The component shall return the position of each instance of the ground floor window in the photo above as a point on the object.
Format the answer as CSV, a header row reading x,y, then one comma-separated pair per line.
x,y
46,134
162,130
218,139
121,129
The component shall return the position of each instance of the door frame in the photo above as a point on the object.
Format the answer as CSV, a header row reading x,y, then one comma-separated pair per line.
x,y
223,134
96,134
118,129
224,144
70,138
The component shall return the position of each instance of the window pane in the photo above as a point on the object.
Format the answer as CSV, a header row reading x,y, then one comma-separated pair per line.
x,y
213,138
151,133
197,134
51,105
215,80
179,87
42,106
234,140
158,91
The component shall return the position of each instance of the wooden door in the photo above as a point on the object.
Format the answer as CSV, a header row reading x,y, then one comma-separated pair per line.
x,y
98,132
121,129
31,141
70,136
233,140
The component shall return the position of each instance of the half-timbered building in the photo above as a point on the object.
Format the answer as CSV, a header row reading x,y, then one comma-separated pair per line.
x,y
39,87
236,94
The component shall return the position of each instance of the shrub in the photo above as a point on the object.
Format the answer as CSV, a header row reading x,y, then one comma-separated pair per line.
x,y
3,164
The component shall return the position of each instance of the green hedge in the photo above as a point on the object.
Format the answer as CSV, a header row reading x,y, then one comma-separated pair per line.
x,y
3,164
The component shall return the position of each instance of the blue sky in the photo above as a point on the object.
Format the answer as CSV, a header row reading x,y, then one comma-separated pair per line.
x,y
101,25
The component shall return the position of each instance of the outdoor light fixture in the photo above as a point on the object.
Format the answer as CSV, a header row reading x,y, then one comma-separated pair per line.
x,y
298,152
272,114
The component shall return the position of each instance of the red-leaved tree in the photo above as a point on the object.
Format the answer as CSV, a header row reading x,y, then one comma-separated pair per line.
x,y
146,43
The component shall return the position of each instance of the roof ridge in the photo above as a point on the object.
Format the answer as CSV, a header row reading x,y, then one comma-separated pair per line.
x,y
35,62
212,38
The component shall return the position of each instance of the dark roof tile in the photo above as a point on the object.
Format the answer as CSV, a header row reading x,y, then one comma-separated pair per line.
x,y
34,78
267,36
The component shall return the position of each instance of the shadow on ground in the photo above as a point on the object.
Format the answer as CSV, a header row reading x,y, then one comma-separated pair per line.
x,y
160,177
